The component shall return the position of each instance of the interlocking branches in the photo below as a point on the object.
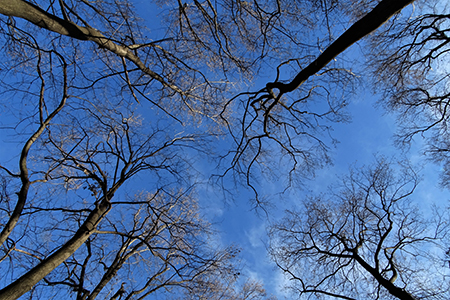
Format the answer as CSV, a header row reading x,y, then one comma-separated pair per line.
x,y
412,69
364,240
275,118
152,242
87,152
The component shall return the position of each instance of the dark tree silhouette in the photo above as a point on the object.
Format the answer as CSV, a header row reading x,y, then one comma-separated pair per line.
x,y
364,239
75,76
276,116
408,63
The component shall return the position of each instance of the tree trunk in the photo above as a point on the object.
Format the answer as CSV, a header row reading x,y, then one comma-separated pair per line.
x,y
388,285
374,19
36,15
32,277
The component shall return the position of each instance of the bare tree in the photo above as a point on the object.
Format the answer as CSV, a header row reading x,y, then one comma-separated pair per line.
x,y
156,243
73,77
79,149
407,60
364,239
78,77
280,117
85,154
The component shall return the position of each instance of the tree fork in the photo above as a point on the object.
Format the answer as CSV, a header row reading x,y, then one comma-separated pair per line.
x,y
36,15
26,282
364,26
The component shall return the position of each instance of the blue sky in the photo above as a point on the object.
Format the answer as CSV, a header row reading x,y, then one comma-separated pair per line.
x,y
369,133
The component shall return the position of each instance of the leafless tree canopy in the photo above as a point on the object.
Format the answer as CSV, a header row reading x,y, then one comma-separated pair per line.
x,y
103,201
409,63
108,120
364,240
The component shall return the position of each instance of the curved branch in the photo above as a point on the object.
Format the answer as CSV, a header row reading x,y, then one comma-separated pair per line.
x,y
370,22
387,284
39,17
24,177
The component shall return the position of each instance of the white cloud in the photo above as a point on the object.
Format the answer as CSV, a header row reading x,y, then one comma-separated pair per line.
x,y
256,235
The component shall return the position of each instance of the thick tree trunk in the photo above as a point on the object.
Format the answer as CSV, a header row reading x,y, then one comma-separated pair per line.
x,y
41,18
374,19
388,285
32,277
36,15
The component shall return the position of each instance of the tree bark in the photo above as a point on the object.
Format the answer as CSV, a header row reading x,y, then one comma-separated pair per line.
x,y
32,277
26,183
36,15
388,285
374,19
